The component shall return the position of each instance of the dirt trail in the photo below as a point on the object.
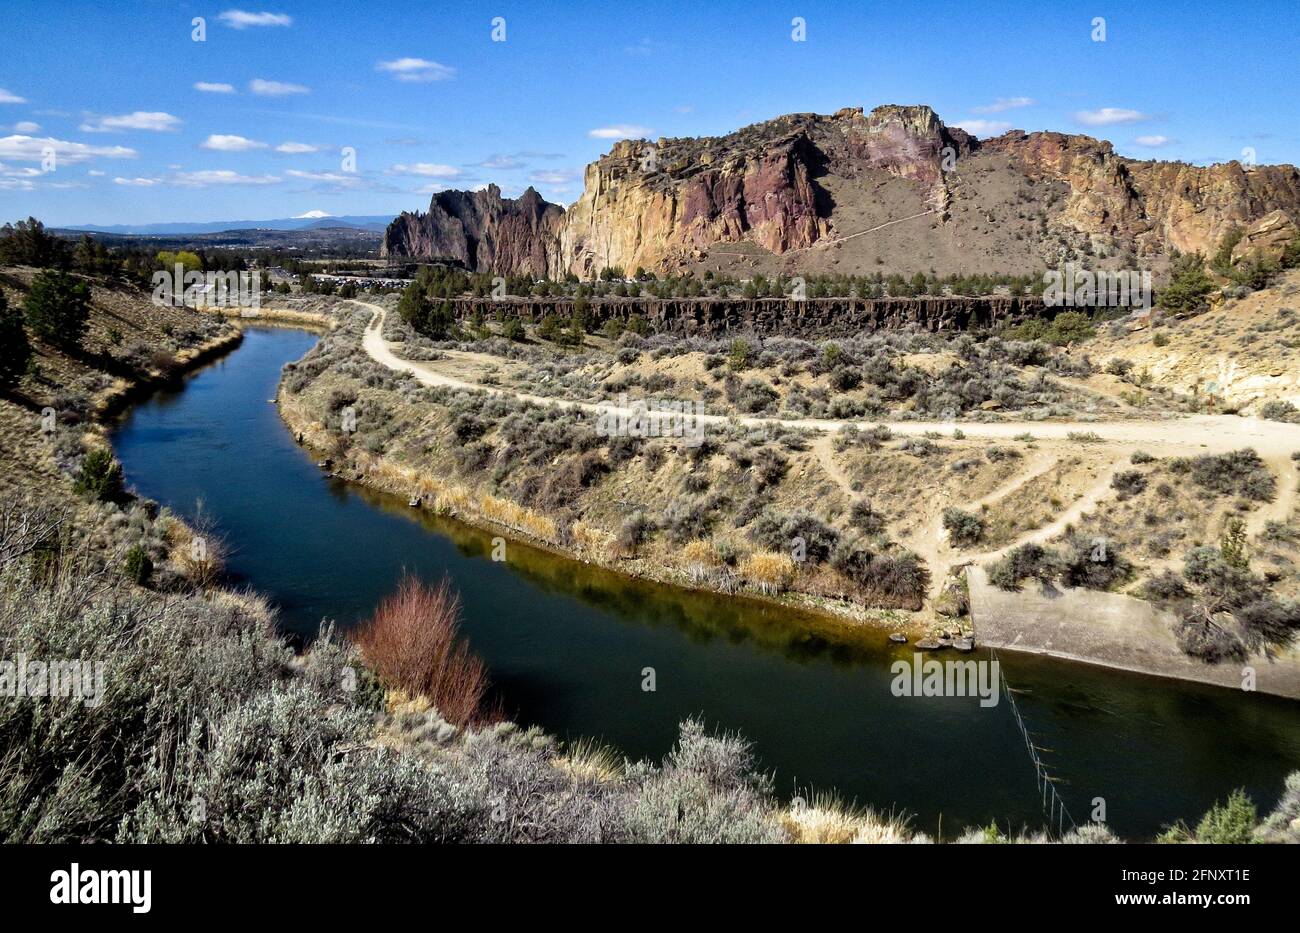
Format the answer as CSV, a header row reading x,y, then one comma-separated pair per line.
x,y
1187,435
931,544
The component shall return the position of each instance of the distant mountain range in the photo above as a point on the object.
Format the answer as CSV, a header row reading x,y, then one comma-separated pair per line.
x,y
313,220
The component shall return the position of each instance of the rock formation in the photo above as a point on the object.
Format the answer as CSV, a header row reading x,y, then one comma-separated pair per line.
x,y
481,231
774,317
1156,205
1266,238
802,188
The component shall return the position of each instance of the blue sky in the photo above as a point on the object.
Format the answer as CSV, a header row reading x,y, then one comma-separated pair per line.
x,y
148,125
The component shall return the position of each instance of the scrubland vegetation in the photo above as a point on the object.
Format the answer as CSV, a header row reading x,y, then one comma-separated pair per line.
x,y
210,729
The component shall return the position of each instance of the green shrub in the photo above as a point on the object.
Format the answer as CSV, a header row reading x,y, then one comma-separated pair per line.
x,y
138,566
100,476
739,356
513,329
964,528
1280,411
58,308
1128,482
15,351
1021,563
1229,823
1188,286
551,328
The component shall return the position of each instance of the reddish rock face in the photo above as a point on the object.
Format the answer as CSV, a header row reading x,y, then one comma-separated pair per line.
x,y
1157,206
655,205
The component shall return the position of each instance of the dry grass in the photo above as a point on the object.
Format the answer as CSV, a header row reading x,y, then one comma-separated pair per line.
x,y
197,549
514,516
828,821
701,559
588,761
413,642
594,541
769,571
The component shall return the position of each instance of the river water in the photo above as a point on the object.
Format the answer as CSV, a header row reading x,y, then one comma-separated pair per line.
x,y
567,643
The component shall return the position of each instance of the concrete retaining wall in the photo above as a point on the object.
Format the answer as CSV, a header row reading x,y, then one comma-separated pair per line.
x,y
1108,629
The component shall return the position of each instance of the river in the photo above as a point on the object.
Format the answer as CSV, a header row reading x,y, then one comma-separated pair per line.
x,y
567,643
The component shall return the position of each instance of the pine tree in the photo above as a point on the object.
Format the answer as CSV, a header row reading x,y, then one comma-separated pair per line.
x,y
58,306
15,351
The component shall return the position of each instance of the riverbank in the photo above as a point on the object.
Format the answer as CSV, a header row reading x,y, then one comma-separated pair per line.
x,y
589,539
567,642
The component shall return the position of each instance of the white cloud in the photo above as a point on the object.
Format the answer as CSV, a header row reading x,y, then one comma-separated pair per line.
x,y
1110,116
1153,142
426,169
500,162
203,179
1005,103
416,69
552,177
984,127
214,87
8,98
241,19
27,126
95,173
154,121
292,148
224,143
31,149
275,88
16,184
620,131
337,178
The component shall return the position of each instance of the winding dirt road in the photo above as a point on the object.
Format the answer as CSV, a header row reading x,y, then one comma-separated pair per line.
x,y
1189,434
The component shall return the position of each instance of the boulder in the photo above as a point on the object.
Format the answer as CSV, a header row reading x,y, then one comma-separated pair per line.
x,y
1266,238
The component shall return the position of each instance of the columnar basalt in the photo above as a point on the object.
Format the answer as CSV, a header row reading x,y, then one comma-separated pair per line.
x,y
787,317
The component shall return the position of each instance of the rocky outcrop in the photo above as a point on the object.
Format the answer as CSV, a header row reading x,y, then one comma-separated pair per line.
x,y
646,204
481,231
807,180
1266,239
1153,207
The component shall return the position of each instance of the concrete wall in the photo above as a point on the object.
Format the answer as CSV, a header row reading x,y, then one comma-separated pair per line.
x,y
1108,629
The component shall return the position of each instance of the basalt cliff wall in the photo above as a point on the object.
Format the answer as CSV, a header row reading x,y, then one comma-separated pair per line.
x,y
775,317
